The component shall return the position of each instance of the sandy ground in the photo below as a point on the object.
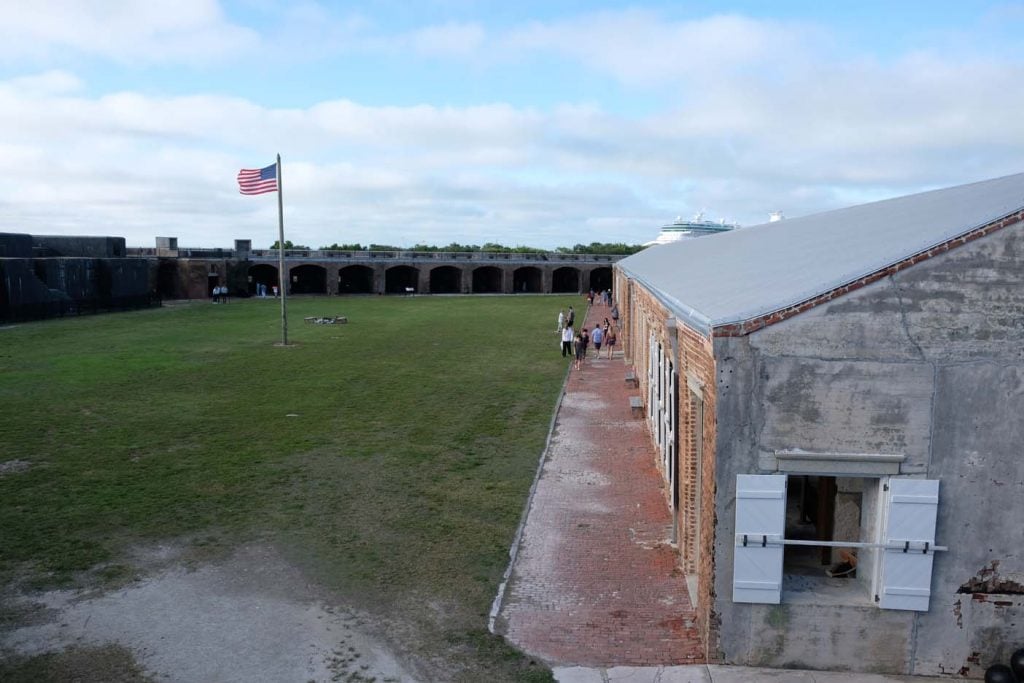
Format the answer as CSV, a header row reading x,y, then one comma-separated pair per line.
x,y
249,618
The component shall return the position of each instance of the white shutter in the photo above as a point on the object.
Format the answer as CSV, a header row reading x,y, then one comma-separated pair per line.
x,y
760,527
909,536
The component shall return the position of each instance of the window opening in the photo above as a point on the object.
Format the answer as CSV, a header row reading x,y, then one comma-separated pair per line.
x,y
824,509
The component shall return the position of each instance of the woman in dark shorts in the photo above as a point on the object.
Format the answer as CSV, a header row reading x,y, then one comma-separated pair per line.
x,y
609,341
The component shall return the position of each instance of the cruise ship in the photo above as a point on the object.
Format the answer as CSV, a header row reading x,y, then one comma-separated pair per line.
x,y
686,229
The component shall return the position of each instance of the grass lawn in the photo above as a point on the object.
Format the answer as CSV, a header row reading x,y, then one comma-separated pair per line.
x,y
388,458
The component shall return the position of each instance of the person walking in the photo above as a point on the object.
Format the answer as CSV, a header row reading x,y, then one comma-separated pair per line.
x,y
609,341
561,321
570,318
567,341
597,336
581,350
586,341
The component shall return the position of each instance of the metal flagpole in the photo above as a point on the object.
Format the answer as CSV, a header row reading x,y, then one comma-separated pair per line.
x,y
282,276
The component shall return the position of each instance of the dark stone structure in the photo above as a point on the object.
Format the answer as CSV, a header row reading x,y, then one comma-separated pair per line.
x,y
193,273
48,276
45,276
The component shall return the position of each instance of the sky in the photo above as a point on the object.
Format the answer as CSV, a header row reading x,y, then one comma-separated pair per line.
x,y
539,124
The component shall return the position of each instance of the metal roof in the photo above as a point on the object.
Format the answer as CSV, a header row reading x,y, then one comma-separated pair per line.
x,y
750,272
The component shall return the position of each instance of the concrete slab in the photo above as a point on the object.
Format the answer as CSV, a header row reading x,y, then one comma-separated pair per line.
x,y
661,674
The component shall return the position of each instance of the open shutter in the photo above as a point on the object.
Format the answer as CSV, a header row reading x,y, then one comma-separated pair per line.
x,y
760,527
909,537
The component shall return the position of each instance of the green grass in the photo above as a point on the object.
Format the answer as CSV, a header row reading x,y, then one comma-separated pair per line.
x,y
389,457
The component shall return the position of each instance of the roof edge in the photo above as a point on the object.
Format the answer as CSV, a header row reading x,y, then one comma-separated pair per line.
x,y
744,327
691,316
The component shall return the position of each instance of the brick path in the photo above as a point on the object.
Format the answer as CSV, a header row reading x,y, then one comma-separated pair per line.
x,y
595,581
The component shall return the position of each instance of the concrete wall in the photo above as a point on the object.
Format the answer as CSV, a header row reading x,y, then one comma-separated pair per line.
x,y
81,247
928,363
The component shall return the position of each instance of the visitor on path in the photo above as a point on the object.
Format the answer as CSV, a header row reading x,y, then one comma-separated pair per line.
x,y
590,298
561,321
609,341
581,350
567,341
570,318
615,315
586,341
597,337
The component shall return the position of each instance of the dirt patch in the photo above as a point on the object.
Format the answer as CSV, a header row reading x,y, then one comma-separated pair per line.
x,y
251,617
13,467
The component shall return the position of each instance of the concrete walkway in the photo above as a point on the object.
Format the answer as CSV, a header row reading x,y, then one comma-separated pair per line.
x,y
595,582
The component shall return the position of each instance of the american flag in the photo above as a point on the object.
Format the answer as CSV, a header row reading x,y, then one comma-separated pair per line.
x,y
258,180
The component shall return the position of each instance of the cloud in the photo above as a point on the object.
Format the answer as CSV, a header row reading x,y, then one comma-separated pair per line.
x,y
125,31
762,115
639,47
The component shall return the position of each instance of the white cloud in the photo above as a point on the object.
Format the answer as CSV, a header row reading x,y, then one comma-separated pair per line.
x,y
126,31
765,116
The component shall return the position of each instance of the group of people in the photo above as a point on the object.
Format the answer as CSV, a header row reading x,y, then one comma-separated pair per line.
x,y
261,290
605,296
575,344
220,294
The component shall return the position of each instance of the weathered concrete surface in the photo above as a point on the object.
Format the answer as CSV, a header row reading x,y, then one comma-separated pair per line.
x,y
928,363
252,619
714,673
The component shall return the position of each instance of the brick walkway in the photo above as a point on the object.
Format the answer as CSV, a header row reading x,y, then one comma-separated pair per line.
x,y
595,581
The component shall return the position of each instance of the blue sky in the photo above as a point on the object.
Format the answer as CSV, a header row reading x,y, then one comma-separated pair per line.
x,y
537,123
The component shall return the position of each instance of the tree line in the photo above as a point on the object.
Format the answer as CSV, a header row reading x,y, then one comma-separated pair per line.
x,y
614,248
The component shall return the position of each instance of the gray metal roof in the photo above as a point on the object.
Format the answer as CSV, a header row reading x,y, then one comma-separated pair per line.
x,y
750,272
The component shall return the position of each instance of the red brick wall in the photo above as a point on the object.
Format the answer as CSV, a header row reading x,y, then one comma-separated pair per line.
x,y
640,316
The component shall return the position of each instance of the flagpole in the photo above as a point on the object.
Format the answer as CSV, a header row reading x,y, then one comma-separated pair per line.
x,y
282,276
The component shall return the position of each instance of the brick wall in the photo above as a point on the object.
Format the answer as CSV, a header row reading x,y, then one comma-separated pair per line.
x,y
641,317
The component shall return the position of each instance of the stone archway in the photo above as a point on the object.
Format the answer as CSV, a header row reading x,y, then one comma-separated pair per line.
x,y
527,279
487,280
308,279
601,278
401,280
264,274
445,280
565,279
355,280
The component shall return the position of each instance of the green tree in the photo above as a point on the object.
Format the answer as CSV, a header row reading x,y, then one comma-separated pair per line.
x,y
287,245
343,247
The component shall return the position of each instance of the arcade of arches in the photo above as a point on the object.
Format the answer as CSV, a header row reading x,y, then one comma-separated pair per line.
x,y
443,279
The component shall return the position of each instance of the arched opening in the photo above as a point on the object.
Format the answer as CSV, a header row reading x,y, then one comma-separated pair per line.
x,y
565,279
355,280
486,280
527,280
262,274
309,279
601,279
401,280
445,280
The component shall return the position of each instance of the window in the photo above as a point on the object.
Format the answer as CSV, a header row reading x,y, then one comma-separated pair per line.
x,y
893,518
